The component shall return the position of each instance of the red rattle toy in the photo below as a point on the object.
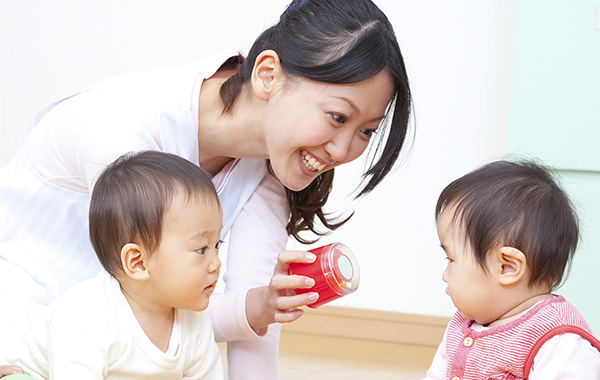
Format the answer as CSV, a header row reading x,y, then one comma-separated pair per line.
x,y
335,272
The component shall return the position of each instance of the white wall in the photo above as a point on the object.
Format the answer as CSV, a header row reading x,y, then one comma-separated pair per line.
x,y
458,56
50,49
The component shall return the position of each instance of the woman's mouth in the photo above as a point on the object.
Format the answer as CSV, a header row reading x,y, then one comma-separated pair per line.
x,y
310,162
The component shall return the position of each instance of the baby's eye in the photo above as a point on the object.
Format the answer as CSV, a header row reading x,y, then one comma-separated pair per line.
x,y
449,259
219,244
202,250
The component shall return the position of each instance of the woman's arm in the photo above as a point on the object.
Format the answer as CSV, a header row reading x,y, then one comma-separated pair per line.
x,y
252,290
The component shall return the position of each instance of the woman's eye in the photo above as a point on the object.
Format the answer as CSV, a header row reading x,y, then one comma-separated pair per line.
x,y
449,259
340,119
202,250
368,133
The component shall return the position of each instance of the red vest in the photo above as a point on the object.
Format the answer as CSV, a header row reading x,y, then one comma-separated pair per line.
x,y
507,351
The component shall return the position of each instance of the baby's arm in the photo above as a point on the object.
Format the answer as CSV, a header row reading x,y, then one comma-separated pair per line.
x,y
566,356
437,370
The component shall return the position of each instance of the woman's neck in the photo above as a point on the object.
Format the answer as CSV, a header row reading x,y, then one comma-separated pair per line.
x,y
224,136
519,309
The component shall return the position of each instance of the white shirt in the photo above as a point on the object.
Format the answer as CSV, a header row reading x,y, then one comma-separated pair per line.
x,y
90,332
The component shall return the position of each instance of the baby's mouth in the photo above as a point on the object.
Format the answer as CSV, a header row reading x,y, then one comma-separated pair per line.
x,y
211,287
310,162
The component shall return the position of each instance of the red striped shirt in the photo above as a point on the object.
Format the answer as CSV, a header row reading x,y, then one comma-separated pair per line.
x,y
507,351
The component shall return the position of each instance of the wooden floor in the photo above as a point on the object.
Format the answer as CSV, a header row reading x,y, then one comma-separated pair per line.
x,y
314,357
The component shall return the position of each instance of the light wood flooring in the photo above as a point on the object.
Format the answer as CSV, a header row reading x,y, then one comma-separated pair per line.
x,y
315,357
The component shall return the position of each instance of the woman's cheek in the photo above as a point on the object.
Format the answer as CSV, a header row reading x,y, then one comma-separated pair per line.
x,y
356,151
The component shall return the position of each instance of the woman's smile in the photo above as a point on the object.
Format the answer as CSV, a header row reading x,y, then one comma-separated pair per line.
x,y
307,134
311,162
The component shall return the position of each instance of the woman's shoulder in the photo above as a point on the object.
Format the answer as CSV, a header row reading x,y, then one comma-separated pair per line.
x,y
155,81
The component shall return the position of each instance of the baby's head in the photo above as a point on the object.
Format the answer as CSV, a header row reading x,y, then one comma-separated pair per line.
x,y
156,209
507,213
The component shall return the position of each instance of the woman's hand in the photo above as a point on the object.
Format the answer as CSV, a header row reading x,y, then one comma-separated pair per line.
x,y
6,370
278,302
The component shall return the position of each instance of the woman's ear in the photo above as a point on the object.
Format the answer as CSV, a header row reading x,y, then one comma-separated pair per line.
x,y
511,265
134,260
266,74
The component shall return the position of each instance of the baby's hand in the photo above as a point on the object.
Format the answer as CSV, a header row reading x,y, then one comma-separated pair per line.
x,y
6,370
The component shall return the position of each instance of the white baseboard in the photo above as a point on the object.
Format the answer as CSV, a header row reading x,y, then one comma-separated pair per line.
x,y
373,325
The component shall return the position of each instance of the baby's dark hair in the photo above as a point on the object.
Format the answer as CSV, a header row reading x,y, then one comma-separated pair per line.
x,y
516,204
130,198
338,42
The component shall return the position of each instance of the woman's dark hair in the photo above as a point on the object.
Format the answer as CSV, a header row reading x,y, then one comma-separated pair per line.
x,y
130,198
516,204
338,42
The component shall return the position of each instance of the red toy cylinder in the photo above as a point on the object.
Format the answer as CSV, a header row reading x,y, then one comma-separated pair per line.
x,y
335,272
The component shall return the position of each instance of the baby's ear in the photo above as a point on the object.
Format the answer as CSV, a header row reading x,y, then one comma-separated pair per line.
x,y
511,265
134,261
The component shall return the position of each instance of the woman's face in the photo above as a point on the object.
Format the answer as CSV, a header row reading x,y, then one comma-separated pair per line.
x,y
311,127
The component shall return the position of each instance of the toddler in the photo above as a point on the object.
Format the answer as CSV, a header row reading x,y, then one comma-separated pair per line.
x,y
509,233
155,223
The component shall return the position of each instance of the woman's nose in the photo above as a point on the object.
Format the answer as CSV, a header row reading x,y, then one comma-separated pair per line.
x,y
338,147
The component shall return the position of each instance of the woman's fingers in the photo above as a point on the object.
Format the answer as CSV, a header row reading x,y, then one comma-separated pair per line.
x,y
278,302
289,312
286,281
288,316
282,280
286,257
286,303
283,285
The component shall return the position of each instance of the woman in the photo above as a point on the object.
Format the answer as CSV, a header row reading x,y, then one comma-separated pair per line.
x,y
271,128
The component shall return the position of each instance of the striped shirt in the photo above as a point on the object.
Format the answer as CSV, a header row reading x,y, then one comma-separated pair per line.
x,y
508,351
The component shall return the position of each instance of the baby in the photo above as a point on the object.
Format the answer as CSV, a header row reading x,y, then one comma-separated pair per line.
x,y
509,233
155,223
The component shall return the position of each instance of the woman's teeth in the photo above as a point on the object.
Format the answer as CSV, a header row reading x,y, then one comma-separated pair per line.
x,y
310,162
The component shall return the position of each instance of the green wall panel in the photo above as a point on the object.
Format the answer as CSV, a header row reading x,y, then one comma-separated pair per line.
x,y
555,87
582,287
555,116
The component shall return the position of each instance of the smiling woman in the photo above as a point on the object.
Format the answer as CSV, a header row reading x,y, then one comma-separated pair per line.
x,y
313,127
270,128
